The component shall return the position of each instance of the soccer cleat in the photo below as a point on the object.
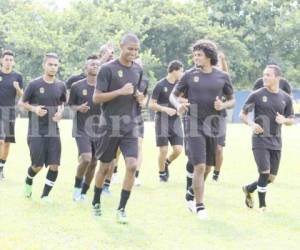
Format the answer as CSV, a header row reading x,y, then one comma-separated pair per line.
x,y
82,197
202,214
163,177
106,191
1,175
97,210
248,198
215,178
191,205
137,182
46,200
121,217
27,190
262,210
114,178
76,194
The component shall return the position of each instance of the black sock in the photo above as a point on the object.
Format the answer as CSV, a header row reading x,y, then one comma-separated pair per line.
x,y
199,207
2,162
162,173
262,189
106,183
30,176
50,179
97,194
78,182
124,198
115,169
252,187
189,194
85,188
137,172
189,174
167,163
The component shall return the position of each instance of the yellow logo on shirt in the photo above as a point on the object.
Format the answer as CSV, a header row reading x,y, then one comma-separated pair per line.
x,y
120,73
264,98
196,78
42,90
84,92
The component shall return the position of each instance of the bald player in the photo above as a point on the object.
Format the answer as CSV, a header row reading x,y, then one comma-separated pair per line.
x,y
116,90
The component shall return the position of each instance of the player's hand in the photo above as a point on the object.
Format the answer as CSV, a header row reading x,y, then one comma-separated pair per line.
x,y
170,111
280,119
127,89
257,129
16,85
183,107
40,111
83,108
57,116
218,104
139,97
182,100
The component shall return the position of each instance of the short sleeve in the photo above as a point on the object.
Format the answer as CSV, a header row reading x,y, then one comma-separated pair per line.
x,y
258,84
20,80
28,93
63,97
289,110
228,88
287,87
156,92
104,79
249,104
72,97
182,86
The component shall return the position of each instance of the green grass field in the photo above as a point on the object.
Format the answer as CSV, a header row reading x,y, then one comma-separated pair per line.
x,y
157,212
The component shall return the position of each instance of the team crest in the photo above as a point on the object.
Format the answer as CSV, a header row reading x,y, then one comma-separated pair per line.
x,y
165,89
42,90
196,78
120,73
84,92
264,98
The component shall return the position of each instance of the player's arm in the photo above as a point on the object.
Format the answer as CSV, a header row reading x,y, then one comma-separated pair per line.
x,y
288,118
159,108
102,93
176,96
228,93
19,90
72,101
246,109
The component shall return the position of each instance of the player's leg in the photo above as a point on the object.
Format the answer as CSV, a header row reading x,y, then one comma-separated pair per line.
x,y
162,156
88,178
129,149
37,155
53,149
106,152
219,162
1,164
108,178
262,159
137,181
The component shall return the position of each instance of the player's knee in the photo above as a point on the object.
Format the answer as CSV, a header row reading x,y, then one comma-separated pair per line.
x,y
86,159
177,150
131,165
53,167
219,149
271,178
199,169
36,169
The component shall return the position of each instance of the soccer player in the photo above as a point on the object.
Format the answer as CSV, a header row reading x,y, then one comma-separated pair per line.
x,y
167,122
117,91
272,108
283,84
222,65
44,98
11,85
85,124
203,85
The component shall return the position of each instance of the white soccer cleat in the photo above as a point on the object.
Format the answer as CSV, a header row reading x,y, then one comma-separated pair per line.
x,y
137,182
77,194
202,214
191,205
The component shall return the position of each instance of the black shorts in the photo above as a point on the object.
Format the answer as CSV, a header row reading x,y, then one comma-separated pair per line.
x,y
44,150
7,131
168,131
267,160
185,130
107,145
222,125
85,144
